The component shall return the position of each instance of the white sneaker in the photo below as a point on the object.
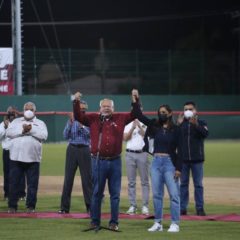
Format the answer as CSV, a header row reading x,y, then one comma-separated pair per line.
x,y
145,210
173,228
132,210
156,227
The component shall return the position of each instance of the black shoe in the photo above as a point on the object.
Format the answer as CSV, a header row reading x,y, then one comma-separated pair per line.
x,y
12,210
94,227
30,210
183,212
61,211
201,212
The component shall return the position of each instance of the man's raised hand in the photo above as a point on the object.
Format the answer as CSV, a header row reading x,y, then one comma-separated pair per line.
x,y
77,96
135,95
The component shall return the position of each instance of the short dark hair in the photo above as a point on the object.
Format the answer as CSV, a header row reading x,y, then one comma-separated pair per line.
x,y
190,103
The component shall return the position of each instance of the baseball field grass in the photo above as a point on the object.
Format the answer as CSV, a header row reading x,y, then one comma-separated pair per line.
x,y
222,160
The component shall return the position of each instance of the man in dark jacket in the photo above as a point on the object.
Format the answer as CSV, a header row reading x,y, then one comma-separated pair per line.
x,y
193,133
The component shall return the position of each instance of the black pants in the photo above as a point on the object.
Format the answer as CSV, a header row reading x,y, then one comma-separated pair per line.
x,y
17,171
77,158
6,170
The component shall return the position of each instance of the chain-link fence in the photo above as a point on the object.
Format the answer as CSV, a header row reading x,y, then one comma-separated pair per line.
x,y
117,71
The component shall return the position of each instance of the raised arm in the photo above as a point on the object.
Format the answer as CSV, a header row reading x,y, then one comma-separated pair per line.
x,y
136,111
78,114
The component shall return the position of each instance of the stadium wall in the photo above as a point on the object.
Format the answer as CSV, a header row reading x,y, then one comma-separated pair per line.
x,y
221,126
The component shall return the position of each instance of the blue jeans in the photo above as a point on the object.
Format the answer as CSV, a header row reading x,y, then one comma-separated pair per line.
x,y
103,170
197,175
162,171
17,171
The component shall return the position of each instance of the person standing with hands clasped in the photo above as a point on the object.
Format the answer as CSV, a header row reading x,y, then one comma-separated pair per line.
x,y
136,158
193,132
166,166
77,156
106,133
12,113
27,134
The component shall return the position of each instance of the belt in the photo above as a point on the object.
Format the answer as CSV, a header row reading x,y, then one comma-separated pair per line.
x,y
134,151
105,158
161,154
78,145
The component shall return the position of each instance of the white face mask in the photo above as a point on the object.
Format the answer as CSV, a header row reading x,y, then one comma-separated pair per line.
x,y
188,114
28,114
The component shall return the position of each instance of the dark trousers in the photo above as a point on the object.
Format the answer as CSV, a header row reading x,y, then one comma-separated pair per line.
x,y
17,171
6,170
197,174
77,157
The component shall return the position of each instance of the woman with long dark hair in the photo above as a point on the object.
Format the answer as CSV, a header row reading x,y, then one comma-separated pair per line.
x,y
166,167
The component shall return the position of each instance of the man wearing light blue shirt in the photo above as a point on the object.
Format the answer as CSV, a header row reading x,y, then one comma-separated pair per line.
x,y
77,156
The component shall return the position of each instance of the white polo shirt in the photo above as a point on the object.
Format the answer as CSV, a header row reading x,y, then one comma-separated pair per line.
x,y
26,147
136,143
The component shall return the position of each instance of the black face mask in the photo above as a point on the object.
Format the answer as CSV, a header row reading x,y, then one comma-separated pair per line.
x,y
163,118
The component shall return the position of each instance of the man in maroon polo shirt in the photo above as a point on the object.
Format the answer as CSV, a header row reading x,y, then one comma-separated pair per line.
x,y
106,133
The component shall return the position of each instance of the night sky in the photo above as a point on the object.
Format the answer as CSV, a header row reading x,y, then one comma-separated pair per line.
x,y
213,32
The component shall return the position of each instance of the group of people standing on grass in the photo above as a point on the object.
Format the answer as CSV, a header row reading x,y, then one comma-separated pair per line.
x,y
178,149
95,146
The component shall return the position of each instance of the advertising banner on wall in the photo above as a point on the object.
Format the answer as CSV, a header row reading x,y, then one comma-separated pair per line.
x,y
6,71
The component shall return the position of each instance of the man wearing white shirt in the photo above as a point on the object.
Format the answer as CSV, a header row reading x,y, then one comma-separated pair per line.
x,y
27,134
11,114
136,159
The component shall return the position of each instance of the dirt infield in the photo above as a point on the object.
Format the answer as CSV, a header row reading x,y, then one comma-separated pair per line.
x,y
217,190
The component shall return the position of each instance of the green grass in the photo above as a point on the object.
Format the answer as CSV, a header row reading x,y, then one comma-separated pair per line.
x,y
222,160
57,229
64,229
